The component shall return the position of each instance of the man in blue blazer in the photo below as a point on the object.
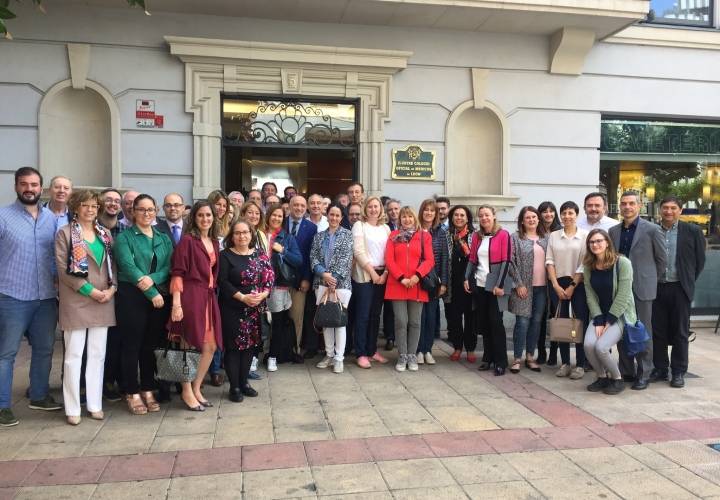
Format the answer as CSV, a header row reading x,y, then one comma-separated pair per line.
x,y
304,231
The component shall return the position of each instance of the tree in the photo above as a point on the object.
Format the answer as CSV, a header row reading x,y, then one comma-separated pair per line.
x,y
6,13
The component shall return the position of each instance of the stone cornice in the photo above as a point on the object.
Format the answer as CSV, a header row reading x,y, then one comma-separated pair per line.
x,y
661,36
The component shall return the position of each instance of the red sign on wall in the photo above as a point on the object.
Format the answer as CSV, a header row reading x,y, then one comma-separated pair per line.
x,y
145,116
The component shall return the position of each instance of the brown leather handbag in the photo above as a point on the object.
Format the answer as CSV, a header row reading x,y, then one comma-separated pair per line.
x,y
565,329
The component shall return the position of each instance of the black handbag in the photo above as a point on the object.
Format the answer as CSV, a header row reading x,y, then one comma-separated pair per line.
x,y
431,281
288,273
330,314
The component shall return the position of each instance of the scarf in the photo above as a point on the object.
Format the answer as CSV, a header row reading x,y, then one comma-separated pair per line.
x,y
78,254
404,235
460,239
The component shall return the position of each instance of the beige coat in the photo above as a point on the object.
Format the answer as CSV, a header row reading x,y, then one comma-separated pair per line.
x,y
76,310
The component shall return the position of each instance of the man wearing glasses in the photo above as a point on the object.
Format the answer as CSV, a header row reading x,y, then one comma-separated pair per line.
x,y
111,200
172,224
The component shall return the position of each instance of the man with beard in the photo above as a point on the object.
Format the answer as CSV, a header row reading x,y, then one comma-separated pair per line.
x,y
595,214
27,292
111,200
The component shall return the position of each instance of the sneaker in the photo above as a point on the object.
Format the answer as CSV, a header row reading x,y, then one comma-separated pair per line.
x,y
412,363
47,404
364,362
429,358
615,387
338,366
7,419
272,365
254,376
420,358
326,361
379,358
599,385
563,371
254,364
401,363
577,373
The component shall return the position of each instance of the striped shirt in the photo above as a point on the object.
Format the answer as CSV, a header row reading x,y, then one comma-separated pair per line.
x,y
27,250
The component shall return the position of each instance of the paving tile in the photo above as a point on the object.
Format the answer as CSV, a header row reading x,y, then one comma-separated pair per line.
x,y
67,471
34,451
542,464
273,456
461,418
348,478
236,433
612,435
481,469
643,484
687,452
711,472
356,423
408,419
209,461
571,437
139,467
652,432
373,495
511,440
560,413
451,444
398,447
697,429
133,490
418,473
281,483
7,493
14,473
509,490
346,451
175,443
65,492
572,488
216,487
598,461
691,481
187,425
439,493
650,458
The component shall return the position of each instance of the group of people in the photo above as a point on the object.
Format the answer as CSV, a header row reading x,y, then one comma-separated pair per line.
x,y
240,282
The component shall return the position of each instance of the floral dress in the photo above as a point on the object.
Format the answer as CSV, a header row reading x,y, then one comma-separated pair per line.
x,y
244,274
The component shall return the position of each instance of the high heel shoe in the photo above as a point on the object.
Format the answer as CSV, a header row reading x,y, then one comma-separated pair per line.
x,y
73,419
150,402
194,408
135,404
206,404
97,415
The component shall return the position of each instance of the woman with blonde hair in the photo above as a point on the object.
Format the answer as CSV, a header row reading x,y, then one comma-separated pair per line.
x,y
252,213
608,278
221,205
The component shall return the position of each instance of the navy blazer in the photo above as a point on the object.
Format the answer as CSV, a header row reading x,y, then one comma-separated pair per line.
x,y
164,227
304,238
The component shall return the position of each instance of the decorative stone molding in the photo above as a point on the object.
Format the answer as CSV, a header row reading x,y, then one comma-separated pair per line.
x,y
659,36
216,66
568,49
479,84
79,59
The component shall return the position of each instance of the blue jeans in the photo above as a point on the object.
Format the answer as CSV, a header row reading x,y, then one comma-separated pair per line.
x,y
527,329
216,363
428,325
368,305
38,318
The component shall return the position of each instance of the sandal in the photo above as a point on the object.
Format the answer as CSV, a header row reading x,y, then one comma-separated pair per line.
x,y
532,365
150,402
135,404
515,367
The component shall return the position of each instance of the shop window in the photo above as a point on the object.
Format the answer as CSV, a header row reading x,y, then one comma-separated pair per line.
x,y
683,12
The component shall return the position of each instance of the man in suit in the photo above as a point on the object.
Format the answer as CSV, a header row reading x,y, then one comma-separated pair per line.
x,y
684,245
172,224
304,231
642,243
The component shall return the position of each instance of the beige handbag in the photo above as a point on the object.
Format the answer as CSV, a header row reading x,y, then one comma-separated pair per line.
x,y
565,329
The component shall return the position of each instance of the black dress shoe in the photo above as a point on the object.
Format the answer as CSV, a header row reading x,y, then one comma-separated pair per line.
x,y
310,354
389,345
485,366
297,359
235,395
499,371
542,357
249,391
678,380
658,375
639,385
628,378
217,379
552,360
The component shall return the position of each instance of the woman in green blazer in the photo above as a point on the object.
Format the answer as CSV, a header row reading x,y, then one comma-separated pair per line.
x,y
608,281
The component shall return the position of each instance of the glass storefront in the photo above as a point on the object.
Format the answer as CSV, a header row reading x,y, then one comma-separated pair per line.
x,y
656,158
685,12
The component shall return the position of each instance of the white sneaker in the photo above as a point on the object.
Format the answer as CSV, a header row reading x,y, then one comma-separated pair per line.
x,y
420,358
327,361
577,373
428,359
401,363
412,363
338,366
563,371
272,365
254,364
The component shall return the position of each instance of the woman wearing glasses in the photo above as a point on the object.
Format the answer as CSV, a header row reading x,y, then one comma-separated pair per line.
x,y
142,303
87,305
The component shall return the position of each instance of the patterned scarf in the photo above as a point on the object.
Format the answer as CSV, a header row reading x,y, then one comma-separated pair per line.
x,y
460,239
404,235
78,256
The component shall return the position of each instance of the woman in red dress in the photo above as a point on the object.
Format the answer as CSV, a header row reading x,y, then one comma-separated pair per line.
x,y
193,286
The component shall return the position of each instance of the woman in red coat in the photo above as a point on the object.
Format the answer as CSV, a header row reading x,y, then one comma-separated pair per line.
x,y
193,286
408,257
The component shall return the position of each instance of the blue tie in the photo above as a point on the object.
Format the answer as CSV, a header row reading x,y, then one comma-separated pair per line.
x,y
295,228
176,233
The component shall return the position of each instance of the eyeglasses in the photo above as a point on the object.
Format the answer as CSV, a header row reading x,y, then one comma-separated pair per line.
x,y
173,205
240,233
596,242
89,206
144,211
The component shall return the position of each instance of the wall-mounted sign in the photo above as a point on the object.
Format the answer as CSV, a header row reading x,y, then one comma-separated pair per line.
x,y
412,163
145,116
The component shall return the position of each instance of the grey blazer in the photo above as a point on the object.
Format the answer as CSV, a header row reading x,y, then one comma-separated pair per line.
x,y
340,260
647,255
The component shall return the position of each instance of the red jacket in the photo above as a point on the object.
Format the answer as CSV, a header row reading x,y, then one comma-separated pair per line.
x,y
402,260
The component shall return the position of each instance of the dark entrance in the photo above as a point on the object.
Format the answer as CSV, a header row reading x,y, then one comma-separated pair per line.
x,y
311,145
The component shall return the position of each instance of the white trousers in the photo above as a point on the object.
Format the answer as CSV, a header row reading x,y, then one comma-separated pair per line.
x,y
335,338
94,369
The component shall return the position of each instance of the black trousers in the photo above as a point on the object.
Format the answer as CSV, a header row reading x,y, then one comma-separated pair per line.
x,y
141,328
237,366
461,321
489,319
310,337
580,308
282,337
388,320
671,327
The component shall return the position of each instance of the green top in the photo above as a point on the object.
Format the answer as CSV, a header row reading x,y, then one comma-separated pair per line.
x,y
97,250
134,253
623,305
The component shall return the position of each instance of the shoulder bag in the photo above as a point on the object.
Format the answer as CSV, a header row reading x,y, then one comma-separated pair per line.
x,y
330,313
430,282
565,329
635,337
175,364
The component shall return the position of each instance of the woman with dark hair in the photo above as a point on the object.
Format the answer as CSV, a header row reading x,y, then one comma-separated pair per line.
x,y
284,253
549,222
487,277
245,280
564,261
430,222
87,285
141,304
608,277
195,267
458,302
528,298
